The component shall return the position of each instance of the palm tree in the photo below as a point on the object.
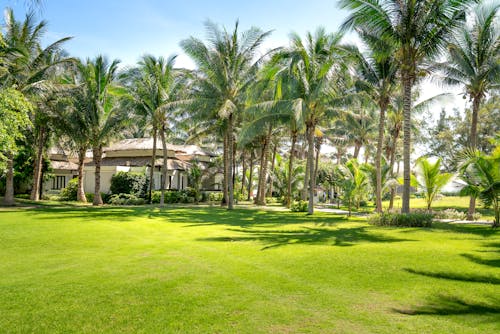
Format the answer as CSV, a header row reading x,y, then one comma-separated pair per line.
x,y
376,76
102,116
155,91
227,67
311,72
419,31
24,66
429,179
482,175
474,63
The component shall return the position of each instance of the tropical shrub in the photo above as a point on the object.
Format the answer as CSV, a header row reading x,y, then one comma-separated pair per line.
x,y
215,197
401,219
129,183
300,206
125,199
70,192
90,197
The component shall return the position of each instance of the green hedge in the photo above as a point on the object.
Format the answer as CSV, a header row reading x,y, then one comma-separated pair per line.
x,y
129,183
401,219
300,206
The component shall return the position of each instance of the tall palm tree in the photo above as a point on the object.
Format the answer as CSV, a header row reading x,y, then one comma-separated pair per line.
x,y
156,92
227,67
25,65
102,115
419,31
376,76
474,63
311,70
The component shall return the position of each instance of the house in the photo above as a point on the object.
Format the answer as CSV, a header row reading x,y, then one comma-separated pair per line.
x,y
64,168
134,155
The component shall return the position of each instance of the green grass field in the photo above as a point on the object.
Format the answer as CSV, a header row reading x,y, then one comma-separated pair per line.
x,y
207,270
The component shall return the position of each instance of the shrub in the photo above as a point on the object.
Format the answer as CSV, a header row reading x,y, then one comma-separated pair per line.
x,y
215,197
300,206
174,196
23,196
401,219
272,200
90,197
129,183
70,192
450,214
125,199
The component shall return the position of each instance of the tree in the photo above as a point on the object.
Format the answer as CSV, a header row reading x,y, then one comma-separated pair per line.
x,y
25,67
355,184
419,31
102,116
482,175
429,179
13,113
474,63
376,76
311,70
155,90
227,67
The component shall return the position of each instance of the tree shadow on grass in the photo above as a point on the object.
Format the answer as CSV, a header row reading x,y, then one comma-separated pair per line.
x,y
342,237
243,218
478,230
448,305
473,278
479,260
190,216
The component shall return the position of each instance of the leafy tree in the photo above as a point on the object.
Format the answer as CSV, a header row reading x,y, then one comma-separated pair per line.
x,y
13,113
227,67
26,67
429,179
482,174
418,30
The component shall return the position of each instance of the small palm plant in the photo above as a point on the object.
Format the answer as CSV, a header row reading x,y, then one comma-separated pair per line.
x,y
430,179
482,175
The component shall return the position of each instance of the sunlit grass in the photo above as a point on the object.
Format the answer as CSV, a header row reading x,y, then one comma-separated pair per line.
x,y
207,270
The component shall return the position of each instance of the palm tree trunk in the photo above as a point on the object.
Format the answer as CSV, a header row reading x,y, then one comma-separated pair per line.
x,y
476,102
230,157
310,164
97,153
164,168
357,148
80,194
407,86
378,158
37,172
153,164
306,176
261,193
393,152
225,197
9,182
250,176
318,150
290,171
273,161
243,172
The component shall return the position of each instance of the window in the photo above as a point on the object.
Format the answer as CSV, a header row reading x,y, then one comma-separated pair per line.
x,y
59,182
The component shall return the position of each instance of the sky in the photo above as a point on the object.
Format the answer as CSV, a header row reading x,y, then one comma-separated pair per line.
x,y
126,29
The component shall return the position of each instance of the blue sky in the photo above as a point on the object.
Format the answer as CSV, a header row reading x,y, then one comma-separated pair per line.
x,y
127,29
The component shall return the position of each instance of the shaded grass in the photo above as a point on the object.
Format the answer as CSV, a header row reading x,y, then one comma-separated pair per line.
x,y
206,270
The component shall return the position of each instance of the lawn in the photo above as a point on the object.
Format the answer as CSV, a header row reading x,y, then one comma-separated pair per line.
x,y
207,270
